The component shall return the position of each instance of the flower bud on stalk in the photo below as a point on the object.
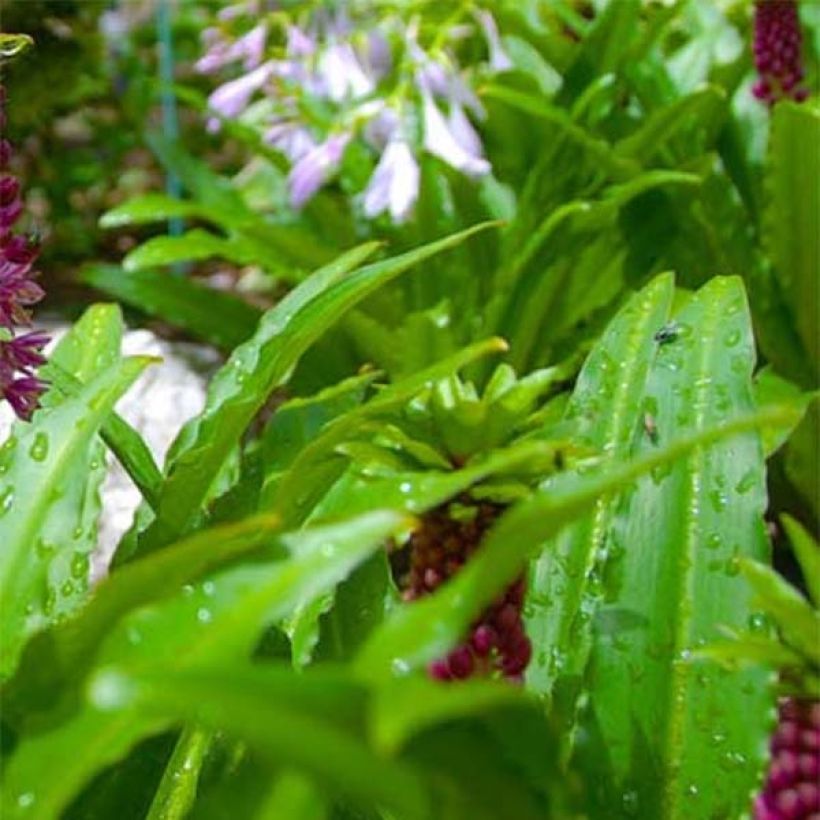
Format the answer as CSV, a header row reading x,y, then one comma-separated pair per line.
x,y
20,354
777,52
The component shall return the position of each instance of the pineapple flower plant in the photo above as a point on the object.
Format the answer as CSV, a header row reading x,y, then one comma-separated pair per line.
x,y
786,639
777,52
20,353
331,76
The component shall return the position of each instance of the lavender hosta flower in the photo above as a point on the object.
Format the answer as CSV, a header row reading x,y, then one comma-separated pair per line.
x,y
232,98
299,43
394,186
499,59
442,142
250,48
342,74
313,169
777,50
291,138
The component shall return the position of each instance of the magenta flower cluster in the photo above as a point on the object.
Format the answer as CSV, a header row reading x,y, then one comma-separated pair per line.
x,y
792,790
777,52
20,353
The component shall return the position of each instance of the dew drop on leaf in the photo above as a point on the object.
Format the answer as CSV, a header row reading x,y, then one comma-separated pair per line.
x,y
6,500
204,615
39,447
79,565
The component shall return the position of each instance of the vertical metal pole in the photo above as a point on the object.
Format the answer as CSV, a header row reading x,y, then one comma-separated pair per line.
x,y
170,117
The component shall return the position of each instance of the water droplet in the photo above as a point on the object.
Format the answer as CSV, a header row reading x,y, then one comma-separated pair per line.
x,y
758,622
691,790
399,666
328,550
67,588
713,541
204,615
732,566
732,338
629,801
187,590
746,483
25,800
50,601
718,500
39,447
78,532
717,739
208,588
6,500
44,549
79,565
405,487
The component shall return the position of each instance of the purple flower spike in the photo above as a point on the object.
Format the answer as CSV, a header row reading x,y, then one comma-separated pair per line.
x,y
777,47
19,355
394,186
310,173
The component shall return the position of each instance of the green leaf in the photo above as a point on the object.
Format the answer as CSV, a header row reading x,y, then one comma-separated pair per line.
x,y
182,302
607,409
219,620
797,622
293,796
807,551
275,712
791,235
672,558
769,388
193,245
406,707
418,633
256,368
62,654
39,512
148,208
319,465
177,789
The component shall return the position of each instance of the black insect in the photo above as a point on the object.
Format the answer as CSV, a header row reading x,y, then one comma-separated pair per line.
x,y
668,333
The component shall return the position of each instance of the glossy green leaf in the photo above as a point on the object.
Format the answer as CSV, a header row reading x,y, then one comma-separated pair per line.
x,y
672,561
416,634
319,465
293,796
240,389
807,551
793,179
215,621
182,302
769,388
62,654
264,708
606,408
194,245
177,790
148,208
39,464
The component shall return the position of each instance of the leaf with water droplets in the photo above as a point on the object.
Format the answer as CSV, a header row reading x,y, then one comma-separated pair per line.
x,y
49,498
685,538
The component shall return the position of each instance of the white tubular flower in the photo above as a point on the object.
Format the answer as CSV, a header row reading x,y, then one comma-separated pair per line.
x,y
342,74
499,59
231,98
311,171
440,141
394,186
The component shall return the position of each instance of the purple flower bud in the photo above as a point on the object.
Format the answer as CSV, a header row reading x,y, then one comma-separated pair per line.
x,y
299,43
394,186
23,395
777,51
310,173
499,60
231,98
292,139
24,351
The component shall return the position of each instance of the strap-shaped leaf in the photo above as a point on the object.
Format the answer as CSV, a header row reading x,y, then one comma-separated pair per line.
x,y
183,302
40,467
605,407
682,739
793,178
256,368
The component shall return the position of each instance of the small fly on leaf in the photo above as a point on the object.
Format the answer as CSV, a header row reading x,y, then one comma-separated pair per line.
x,y
668,333
651,427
